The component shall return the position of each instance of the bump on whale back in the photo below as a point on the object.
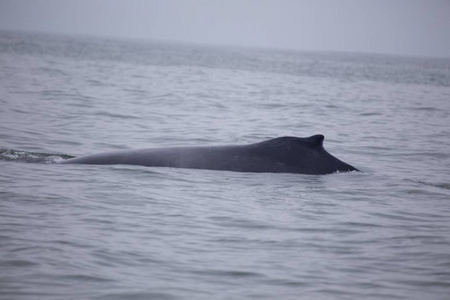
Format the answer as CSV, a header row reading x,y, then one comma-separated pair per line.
x,y
312,141
315,140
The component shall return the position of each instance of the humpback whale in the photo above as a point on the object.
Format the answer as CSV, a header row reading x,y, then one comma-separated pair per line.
x,y
279,155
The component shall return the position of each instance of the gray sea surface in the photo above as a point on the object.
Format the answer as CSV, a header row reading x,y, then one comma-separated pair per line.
x,y
131,232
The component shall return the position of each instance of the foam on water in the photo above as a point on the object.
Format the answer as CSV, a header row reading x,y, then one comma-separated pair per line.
x,y
31,157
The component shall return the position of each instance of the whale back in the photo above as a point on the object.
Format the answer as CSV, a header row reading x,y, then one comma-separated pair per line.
x,y
279,155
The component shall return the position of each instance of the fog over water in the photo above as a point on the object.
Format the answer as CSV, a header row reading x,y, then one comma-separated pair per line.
x,y
405,27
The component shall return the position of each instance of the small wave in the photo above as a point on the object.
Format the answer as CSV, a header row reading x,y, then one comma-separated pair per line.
x,y
441,185
425,108
369,114
115,115
31,157
437,185
230,273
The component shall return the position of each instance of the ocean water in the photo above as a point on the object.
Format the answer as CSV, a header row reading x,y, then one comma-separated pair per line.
x,y
131,232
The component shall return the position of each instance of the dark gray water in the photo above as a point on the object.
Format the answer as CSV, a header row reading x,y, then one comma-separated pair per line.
x,y
128,232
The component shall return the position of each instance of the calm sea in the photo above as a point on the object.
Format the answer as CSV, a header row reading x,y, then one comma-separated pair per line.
x,y
130,232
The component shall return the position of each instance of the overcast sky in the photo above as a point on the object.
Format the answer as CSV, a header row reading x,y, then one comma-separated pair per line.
x,y
406,27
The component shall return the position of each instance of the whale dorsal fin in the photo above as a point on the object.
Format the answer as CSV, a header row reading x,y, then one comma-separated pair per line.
x,y
312,141
316,140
